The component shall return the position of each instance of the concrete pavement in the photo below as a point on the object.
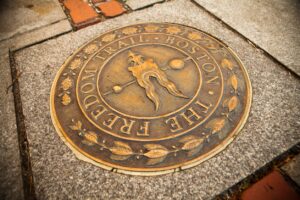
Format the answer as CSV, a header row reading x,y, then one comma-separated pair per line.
x,y
272,127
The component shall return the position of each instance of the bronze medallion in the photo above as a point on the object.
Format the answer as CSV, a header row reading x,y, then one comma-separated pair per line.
x,y
150,99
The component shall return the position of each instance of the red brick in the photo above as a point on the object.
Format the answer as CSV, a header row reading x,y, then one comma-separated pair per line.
x,y
81,12
97,1
111,8
271,187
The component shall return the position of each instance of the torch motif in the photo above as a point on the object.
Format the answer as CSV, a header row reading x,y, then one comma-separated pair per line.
x,y
142,69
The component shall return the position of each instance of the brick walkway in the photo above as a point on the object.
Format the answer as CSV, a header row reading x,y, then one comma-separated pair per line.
x,y
36,37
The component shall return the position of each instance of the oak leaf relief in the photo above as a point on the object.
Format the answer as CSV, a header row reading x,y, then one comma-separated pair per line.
x,y
216,124
109,38
90,49
227,64
155,150
173,30
194,36
231,103
191,142
66,83
233,81
66,99
75,64
91,137
129,30
77,126
151,28
121,149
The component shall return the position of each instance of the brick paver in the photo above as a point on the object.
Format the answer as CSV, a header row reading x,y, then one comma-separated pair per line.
x,y
82,13
111,8
271,187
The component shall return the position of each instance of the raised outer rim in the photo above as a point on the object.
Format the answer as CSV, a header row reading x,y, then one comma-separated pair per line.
x,y
125,170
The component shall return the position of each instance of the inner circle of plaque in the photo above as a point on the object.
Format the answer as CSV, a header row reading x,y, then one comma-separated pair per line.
x,y
138,109
160,130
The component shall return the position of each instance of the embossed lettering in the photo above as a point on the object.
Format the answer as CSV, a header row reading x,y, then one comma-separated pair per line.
x,y
98,112
203,56
110,50
111,121
208,67
122,44
87,88
213,80
206,107
126,128
90,100
99,57
170,40
141,39
175,126
144,129
132,40
189,115
194,49
182,44
89,73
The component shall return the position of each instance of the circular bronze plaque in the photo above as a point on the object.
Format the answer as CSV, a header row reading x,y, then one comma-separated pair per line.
x,y
150,99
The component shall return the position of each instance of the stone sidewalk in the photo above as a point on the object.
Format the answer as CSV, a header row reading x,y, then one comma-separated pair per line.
x,y
42,47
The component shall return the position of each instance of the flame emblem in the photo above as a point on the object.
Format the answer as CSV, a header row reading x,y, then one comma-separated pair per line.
x,y
142,69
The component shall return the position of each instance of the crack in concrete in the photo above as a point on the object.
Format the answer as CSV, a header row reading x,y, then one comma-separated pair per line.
x,y
27,175
32,30
41,41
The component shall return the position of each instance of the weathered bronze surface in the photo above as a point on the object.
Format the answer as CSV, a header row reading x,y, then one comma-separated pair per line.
x,y
151,98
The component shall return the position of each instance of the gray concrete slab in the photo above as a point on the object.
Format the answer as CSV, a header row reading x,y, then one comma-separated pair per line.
x,y
273,25
137,4
34,36
292,168
271,129
11,186
20,16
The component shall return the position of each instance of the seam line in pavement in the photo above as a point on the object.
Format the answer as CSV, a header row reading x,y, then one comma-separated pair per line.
x,y
31,30
246,39
26,170
289,180
148,6
41,41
